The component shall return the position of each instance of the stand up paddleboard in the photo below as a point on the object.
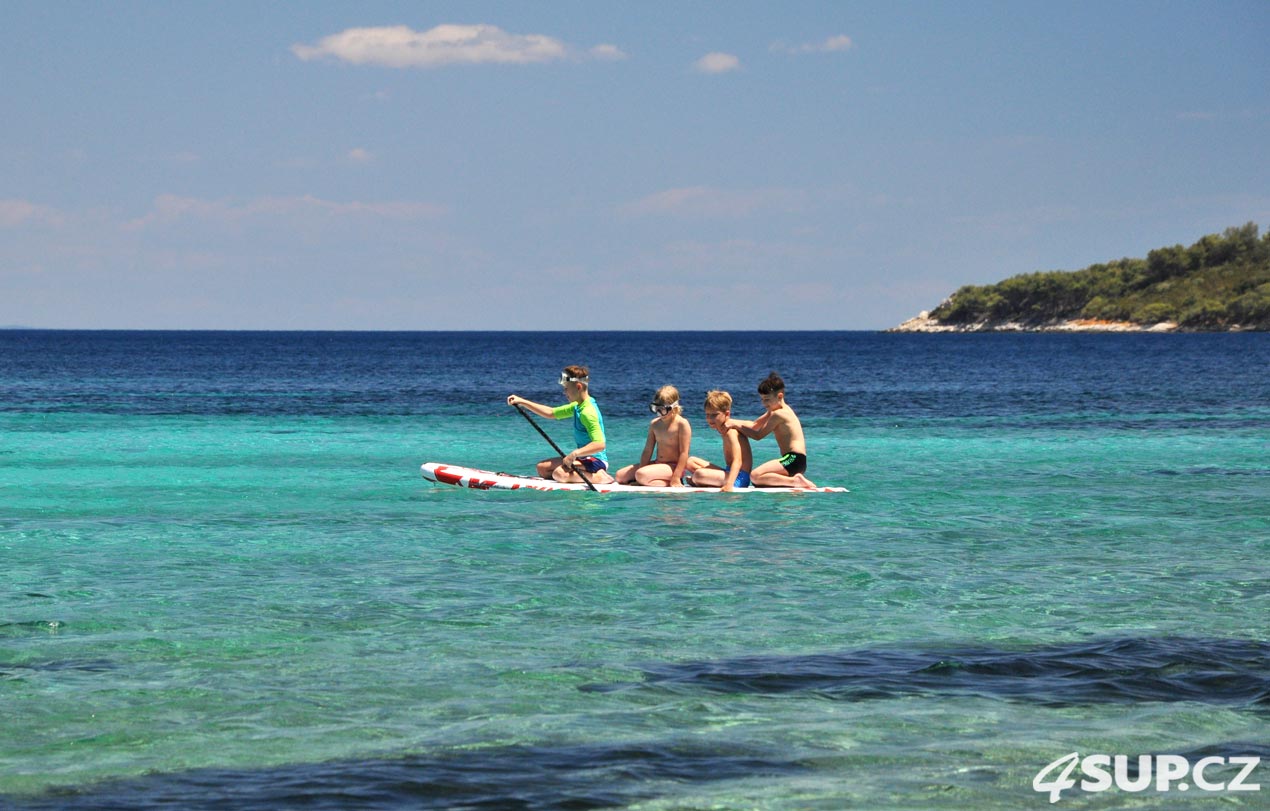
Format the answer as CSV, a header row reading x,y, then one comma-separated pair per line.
x,y
460,476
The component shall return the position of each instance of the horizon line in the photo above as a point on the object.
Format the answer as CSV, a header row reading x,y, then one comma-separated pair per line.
x,y
22,328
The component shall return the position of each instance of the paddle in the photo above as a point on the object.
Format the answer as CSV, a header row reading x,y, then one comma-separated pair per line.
x,y
538,428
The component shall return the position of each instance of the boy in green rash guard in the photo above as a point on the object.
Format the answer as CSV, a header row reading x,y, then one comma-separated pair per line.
x,y
588,430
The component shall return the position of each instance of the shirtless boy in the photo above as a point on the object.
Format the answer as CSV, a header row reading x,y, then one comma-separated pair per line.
x,y
737,458
779,419
670,435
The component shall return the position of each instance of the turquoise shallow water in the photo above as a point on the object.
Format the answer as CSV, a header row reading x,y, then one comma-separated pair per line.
x,y
224,586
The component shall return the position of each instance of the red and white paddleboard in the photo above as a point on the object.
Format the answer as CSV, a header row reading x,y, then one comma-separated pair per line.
x,y
474,479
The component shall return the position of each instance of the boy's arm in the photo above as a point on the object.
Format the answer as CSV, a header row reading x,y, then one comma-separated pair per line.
x,y
538,408
732,451
649,445
685,443
757,429
589,449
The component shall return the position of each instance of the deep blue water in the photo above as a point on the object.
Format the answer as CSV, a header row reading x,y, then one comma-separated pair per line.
x,y
223,583
841,375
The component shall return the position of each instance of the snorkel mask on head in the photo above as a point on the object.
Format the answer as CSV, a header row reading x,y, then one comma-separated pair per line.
x,y
564,378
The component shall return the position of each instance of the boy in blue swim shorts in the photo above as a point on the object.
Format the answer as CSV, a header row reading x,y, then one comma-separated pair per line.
x,y
736,449
588,430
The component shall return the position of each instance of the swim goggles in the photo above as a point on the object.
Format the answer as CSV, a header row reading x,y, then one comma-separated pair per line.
x,y
564,378
662,410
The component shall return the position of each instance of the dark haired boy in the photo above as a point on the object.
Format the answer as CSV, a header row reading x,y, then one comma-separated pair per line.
x,y
779,419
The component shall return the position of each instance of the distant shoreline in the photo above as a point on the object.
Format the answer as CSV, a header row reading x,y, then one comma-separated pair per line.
x,y
925,323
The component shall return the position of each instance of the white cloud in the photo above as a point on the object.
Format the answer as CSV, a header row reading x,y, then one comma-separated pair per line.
x,y
14,213
403,47
609,53
360,155
171,208
839,42
717,62
703,201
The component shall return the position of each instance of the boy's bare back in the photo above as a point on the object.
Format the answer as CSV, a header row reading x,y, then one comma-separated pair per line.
x,y
788,429
733,438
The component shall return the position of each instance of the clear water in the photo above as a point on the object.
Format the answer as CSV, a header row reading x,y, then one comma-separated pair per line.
x,y
223,583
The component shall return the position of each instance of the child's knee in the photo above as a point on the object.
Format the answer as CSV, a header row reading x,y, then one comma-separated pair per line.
x,y
648,475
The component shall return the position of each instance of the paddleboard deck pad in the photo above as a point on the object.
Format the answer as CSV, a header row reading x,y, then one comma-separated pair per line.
x,y
474,479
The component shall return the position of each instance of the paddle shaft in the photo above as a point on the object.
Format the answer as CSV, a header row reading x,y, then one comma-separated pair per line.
x,y
577,469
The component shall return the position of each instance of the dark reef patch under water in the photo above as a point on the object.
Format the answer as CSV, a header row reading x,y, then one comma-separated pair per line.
x,y
515,778
1234,672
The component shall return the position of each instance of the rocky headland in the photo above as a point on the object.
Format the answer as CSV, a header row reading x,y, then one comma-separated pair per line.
x,y
1219,284
923,322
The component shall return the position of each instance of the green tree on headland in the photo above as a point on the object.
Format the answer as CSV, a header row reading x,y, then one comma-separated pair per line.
x,y
1221,282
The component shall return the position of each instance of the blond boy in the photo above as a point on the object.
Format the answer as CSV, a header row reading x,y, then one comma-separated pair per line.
x,y
737,457
669,437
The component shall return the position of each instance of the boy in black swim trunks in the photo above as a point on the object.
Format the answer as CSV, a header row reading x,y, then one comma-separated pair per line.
x,y
780,419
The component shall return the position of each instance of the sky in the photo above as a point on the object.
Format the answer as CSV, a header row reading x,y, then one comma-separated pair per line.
x,y
597,165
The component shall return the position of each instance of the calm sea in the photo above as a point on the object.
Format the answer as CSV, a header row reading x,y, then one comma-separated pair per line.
x,y
223,583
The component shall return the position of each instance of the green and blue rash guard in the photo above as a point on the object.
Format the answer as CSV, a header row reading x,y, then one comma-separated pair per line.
x,y
588,423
